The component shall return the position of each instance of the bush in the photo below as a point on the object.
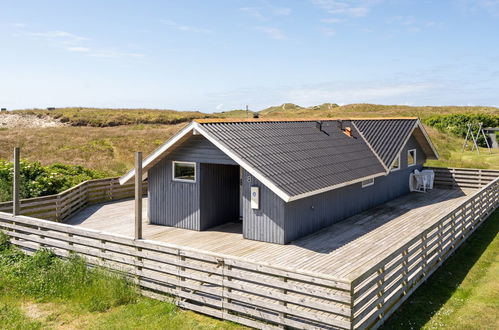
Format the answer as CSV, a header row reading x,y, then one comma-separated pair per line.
x,y
37,180
44,276
457,123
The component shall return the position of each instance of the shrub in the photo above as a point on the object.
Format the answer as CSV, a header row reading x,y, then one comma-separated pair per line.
x,y
44,276
37,180
457,123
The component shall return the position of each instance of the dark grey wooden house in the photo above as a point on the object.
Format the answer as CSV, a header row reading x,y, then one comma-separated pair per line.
x,y
282,179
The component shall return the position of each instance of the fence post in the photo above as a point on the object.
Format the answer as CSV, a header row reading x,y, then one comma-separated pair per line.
x,y
138,195
16,203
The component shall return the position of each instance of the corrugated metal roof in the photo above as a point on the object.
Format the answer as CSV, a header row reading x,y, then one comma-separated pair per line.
x,y
296,156
386,137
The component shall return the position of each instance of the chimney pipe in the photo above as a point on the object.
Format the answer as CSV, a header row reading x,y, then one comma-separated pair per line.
x,y
348,131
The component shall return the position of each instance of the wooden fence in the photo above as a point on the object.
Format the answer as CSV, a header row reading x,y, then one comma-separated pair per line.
x,y
61,206
257,294
378,292
463,177
228,288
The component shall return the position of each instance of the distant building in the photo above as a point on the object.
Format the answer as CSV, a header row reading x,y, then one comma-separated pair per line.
x,y
284,179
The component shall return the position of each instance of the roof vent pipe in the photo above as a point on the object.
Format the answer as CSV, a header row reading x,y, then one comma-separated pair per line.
x,y
318,125
348,131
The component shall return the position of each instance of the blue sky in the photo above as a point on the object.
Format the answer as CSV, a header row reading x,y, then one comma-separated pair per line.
x,y
220,55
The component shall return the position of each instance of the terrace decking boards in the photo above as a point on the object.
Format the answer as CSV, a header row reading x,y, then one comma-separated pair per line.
x,y
343,250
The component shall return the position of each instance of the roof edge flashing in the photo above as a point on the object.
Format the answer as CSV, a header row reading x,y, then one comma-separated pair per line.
x,y
155,154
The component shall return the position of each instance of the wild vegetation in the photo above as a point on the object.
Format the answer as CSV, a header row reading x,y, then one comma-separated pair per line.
x,y
97,117
44,291
457,124
37,180
80,116
108,149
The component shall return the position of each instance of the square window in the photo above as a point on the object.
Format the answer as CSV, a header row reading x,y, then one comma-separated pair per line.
x,y
411,157
184,171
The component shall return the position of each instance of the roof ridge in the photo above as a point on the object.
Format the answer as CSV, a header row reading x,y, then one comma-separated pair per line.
x,y
263,120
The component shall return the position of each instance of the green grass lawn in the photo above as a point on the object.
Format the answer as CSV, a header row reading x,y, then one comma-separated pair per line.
x,y
463,293
47,292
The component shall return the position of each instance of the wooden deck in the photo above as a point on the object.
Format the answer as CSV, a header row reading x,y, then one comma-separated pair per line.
x,y
343,250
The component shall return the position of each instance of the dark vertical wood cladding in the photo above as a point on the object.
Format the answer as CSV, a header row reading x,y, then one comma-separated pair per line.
x,y
173,203
267,223
219,194
198,149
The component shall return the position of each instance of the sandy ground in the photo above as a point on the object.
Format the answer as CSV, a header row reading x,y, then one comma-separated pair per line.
x,y
8,120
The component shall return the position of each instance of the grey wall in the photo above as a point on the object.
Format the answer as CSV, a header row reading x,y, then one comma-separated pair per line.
x,y
173,203
289,221
198,149
219,198
267,223
178,204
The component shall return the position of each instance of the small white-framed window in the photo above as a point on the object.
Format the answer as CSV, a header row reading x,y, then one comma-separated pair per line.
x,y
367,183
411,157
396,163
184,171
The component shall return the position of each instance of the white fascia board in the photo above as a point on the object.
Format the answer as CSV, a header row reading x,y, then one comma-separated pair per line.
x,y
420,126
344,184
432,146
259,176
158,152
370,147
403,144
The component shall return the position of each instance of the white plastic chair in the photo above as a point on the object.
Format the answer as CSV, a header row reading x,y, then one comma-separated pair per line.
x,y
422,182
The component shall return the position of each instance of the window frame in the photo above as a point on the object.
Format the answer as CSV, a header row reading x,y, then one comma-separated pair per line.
x,y
415,157
393,169
174,162
371,183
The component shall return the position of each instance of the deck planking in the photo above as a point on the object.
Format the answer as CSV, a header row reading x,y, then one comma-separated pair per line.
x,y
341,250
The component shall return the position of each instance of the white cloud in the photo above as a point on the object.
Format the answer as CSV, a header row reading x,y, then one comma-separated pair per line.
x,y
105,53
272,32
78,49
332,20
346,8
186,28
386,92
328,32
412,24
77,44
266,12
473,6
62,35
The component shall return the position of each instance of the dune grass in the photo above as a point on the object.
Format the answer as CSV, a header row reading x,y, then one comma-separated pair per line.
x,y
107,149
98,117
44,292
463,293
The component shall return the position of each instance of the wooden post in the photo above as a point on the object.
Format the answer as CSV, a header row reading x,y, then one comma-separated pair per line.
x,y
16,204
138,195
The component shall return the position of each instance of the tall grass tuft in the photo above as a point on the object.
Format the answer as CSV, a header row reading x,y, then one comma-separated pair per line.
x,y
44,276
